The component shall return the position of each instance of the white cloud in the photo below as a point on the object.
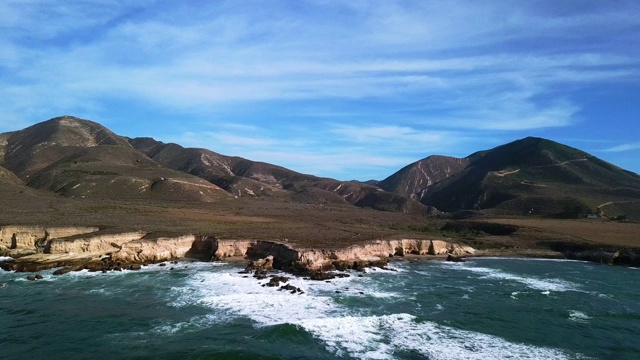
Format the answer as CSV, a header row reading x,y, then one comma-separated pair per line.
x,y
370,151
419,72
518,117
623,147
338,163
223,141
378,134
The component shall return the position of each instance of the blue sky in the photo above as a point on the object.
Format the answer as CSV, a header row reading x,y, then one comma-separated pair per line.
x,y
345,89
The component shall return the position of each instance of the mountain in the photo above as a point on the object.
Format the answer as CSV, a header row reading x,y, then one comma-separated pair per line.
x,y
80,158
413,179
243,177
237,175
30,150
527,176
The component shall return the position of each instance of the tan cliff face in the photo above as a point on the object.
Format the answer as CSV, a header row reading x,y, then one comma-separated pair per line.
x,y
92,245
160,249
381,249
30,237
58,244
232,248
314,259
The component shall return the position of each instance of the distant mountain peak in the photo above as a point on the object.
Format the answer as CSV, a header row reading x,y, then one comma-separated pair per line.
x,y
78,157
68,131
530,171
31,149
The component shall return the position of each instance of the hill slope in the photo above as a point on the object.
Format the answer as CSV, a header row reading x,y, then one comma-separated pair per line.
x,y
76,157
237,175
413,179
527,176
80,158
244,177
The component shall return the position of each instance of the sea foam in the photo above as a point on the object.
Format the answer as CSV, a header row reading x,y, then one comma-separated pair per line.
x,y
383,337
343,332
530,281
578,316
235,294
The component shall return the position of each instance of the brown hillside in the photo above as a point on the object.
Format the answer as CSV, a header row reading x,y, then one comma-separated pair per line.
x,y
414,179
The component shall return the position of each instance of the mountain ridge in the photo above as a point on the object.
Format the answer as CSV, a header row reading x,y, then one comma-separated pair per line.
x,y
530,170
81,158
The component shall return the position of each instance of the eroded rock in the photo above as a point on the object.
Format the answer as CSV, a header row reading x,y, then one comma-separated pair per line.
x,y
276,280
64,270
261,265
452,258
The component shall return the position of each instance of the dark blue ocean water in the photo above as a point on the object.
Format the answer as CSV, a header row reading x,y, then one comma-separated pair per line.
x,y
480,309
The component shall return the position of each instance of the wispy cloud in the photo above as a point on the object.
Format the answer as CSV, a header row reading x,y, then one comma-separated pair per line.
x,y
517,116
230,144
392,73
392,137
337,151
623,147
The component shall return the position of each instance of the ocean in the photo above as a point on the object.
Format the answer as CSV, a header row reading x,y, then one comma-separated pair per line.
x,y
485,308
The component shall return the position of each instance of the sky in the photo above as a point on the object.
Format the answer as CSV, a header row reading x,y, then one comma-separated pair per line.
x,y
351,89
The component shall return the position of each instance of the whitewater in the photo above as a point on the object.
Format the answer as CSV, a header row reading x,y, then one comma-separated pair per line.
x,y
488,308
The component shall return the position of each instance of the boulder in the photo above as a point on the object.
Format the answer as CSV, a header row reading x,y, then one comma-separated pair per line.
x,y
95,266
261,265
276,280
320,275
292,289
63,270
454,258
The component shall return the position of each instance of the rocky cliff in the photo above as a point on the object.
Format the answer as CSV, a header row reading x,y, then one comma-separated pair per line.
x,y
285,256
92,245
36,237
152,249
52,247
36,248
231,248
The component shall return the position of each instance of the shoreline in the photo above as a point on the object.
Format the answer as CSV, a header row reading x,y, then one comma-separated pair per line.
x,y
358,265
33,249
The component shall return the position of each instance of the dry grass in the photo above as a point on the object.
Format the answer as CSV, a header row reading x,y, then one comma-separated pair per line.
x,y
593,231
304,225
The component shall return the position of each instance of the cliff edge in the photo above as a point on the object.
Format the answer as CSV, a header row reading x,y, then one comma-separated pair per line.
x,y
35,248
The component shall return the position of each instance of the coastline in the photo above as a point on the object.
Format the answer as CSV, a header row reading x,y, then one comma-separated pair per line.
x,y
32,249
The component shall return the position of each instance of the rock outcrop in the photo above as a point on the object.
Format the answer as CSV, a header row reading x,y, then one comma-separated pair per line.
x,y
92,245
31,239
287,258
231,248
610,255
261,265
151,249
89,248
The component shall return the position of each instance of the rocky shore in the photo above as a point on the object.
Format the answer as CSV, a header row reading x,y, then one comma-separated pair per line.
x,y
34,248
